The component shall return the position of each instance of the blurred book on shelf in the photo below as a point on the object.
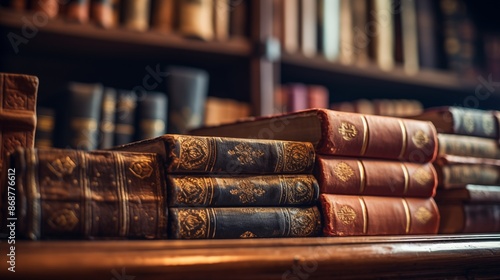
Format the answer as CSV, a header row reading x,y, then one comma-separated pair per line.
x,y
382,107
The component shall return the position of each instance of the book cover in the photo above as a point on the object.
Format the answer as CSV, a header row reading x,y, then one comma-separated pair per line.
x,y
196,19
152,115
125,117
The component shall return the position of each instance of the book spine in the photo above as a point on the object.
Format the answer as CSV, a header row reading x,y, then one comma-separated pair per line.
x,y
297,98
101,12
163,16
427,37
195,19
242,191
373,215
375,177
329,28
469,218
468,146
474,122
360,36
409,36
238,22
107,124
346,55
384,39
459,175
44,136
136,14
78,10
152,112
470,193
125,117
244,222
191,154
291,26
49,7
318,96
308,35
359,135
221,19
187,90
88,195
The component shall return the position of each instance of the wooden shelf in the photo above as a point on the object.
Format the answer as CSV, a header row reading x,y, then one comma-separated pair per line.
x,y
58,35
436,256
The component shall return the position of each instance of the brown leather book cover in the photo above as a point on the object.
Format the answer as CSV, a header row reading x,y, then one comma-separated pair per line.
x,y
468,146
469,218
196,18
375,177
242,191
195,154
244,222
72,194
49,7
457,171
307,27
136,14
341,133
383,41
18,95
78,10
470,193
221,19
346,215
162,16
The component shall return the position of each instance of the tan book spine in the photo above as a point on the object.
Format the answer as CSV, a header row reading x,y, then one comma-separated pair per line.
x,y
291,26
136,14
308,33
410,42
195,19
221,19
346,32
384,39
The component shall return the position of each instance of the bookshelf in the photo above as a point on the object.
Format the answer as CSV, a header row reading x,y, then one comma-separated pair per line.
x,y
390,257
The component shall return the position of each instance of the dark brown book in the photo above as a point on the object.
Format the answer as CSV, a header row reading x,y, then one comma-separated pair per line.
x,y
107,121
136,14
464,121
238,23
101,12
346,215
375,177
456,171
470,193
409,36
221,19
162,16
468,146
244,222
49,7
341,134
469,218
71,194
78,10
196,154
241,191
18,96
427,37
196,18
18,5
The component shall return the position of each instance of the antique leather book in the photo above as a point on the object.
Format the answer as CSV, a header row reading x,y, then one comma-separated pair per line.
x,y
464,121
152,115
353,176
346,215
468,146
125,117
101,12
242,190
197,154
463,217
470,193
196,18
136,14
307,27
341,133
101,194
244,222
457,171
18,96
222,8
107,121
383,40
162,16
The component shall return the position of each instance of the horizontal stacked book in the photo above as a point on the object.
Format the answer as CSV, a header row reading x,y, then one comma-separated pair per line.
x,y
375,173
468,166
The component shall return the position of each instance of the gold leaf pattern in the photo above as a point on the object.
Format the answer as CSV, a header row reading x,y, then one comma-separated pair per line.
x,y
302,190
248,234
300,157
304,222
192,190
468,122
245,153
141,169
423,215
193,223
247,192
488,124
348,131
420,139
346,214
194,153
63,220
422,176
62,166
343,171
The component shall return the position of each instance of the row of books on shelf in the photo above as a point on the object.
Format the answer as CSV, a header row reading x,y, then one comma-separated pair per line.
x,y
414,34
204,19
316,172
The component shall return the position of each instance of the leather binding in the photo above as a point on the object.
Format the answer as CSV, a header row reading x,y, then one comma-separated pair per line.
x,y
457,175
346,215
162,16
383,41
196,19
328,28
470,193
107,123
187,90
238,23
49,7
469,218
375,177
244,222
71,194
44,136
195,154
102,13
296,97
136,14
361,39
125,117
241,191
341,134
84,113
152,115
427,35
464,121
307,27
468,146
221,19
78,10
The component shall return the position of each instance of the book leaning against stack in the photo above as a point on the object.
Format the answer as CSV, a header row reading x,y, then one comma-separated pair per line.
x,y
468,166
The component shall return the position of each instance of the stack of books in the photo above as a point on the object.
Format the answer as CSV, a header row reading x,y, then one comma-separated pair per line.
x,y
468,166
375,173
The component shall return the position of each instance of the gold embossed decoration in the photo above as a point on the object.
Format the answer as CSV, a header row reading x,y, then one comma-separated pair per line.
x,y
422,176
247,192
193,223
141,169
300,157
346,214
245,153
63,220
348,131
423,215
304,222
343,171
62,166
488,124
468,122
248,234
194,153
301,191
420,139
192,190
